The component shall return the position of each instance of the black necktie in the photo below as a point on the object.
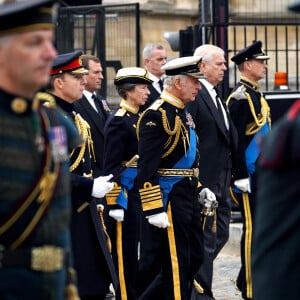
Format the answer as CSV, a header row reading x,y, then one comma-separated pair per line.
x,y
220,111
161,84
99,109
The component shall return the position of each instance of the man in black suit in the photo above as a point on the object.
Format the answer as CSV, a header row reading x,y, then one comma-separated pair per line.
x,y
217,139
94,109
155,56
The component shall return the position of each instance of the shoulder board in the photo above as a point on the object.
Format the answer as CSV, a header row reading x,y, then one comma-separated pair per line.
x,y
120,112
156,104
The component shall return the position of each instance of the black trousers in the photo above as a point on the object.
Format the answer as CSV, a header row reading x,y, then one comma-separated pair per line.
x,y
169,258
215,235
125,237
244,279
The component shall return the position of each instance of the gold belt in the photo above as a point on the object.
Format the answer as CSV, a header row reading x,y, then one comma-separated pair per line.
x,y
179,172
47,258
44,259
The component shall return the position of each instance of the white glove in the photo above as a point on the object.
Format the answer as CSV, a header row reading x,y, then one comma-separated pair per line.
x,y
159,220
102,186
117,214
207,198
243,184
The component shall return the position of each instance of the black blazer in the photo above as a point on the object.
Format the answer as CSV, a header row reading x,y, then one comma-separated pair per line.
x,y
84,108
216,146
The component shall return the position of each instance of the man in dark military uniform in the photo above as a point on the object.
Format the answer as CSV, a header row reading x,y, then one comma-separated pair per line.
x,y
276,238
168,185
92,259
124,203
35,141
251,116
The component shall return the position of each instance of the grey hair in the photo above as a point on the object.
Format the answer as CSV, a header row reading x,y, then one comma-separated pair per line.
x,y
123,88
148,49
169,81
208,51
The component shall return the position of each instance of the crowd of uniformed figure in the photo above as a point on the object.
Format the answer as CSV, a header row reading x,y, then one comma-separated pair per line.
x,y
133,203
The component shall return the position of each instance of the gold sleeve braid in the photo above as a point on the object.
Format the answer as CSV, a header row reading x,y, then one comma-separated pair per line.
x,y
112,196
151,196
84,129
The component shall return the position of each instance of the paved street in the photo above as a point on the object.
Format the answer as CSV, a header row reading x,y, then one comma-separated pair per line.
x,y
225,272
226,266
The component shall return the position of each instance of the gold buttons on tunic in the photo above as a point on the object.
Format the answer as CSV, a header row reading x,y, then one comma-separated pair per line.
x,y
19,105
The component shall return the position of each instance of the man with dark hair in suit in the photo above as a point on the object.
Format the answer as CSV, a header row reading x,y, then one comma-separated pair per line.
x,y
155,56
91,250
217,139
94,108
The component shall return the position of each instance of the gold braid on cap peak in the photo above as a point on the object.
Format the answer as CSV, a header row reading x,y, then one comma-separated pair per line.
x,y
84,129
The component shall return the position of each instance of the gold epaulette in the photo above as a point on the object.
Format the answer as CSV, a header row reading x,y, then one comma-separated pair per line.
x,y
120,112
45,98
156,104
151,196
112,196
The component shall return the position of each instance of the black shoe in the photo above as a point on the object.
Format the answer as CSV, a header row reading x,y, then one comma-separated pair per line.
x,y
236,217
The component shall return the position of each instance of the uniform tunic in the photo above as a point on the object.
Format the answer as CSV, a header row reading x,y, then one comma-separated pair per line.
x,y
92,260
177,250
121,145
249,114
23,145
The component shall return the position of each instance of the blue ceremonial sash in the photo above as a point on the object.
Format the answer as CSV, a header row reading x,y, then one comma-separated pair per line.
x,y
252,152
166,182
126,182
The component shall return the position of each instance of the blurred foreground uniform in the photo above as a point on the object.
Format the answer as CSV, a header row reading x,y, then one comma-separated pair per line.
x,y
92,258
276,238
35,205
168,182
35,199
123,201
250,113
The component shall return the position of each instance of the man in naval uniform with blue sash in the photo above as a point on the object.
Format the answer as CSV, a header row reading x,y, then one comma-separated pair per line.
x,y
169,186
250,113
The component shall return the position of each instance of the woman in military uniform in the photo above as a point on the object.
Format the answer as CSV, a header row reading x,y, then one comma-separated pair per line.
x,y
123,201
250,113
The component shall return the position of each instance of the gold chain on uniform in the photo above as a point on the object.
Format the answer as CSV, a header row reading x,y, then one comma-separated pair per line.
x,y
84,129
178,128
259,120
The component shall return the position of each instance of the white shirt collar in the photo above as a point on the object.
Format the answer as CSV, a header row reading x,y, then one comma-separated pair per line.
x,y
88,95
